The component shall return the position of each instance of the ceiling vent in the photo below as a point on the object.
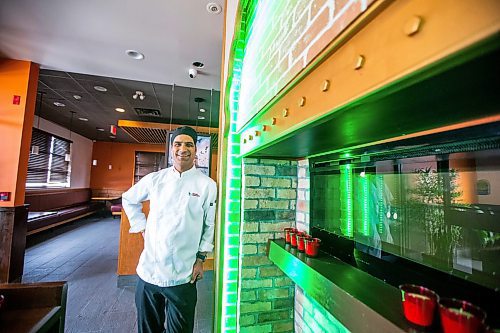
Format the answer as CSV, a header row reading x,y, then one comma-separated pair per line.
x,y
147,112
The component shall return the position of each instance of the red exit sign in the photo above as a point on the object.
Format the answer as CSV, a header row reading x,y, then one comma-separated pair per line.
x,y
4,196
16,100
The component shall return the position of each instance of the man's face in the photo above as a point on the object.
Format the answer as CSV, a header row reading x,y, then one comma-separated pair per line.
x,y
183,152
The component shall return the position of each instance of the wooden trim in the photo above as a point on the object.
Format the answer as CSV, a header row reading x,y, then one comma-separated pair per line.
x,y
31,232
168,127
388,60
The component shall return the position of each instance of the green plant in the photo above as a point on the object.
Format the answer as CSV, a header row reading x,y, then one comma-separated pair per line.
x,y
428,201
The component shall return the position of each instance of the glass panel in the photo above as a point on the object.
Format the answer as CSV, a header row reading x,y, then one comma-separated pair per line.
x,y
442,211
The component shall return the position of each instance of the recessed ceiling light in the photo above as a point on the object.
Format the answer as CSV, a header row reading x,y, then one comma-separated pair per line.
x,y
135,54
100,88
201,117
119,110
83,119
101,129
77,97
214,8
59,104
198,64
202,110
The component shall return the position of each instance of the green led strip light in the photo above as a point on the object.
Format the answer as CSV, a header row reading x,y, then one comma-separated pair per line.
x,y
346,204
381,212
365,183
227,307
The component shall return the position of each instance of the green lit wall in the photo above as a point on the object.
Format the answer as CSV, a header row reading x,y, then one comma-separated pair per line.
x,y
272,43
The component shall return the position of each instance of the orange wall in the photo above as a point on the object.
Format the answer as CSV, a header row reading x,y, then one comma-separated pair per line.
x,y
16,78
467,178
122,158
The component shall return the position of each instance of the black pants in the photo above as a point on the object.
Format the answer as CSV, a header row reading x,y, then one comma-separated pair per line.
x,y
153,302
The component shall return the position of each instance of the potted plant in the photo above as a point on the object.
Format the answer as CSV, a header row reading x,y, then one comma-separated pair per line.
x,y
427,200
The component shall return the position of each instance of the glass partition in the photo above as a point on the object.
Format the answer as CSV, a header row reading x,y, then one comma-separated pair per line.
x,y
440,209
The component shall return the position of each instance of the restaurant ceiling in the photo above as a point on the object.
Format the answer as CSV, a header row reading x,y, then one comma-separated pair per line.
x,y
80,44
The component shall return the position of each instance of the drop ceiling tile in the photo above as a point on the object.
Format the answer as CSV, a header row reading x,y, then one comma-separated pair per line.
x,y
89,87
51,72
61,83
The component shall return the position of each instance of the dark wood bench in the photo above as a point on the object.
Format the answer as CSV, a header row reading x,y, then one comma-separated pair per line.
x,y
33,307
52,207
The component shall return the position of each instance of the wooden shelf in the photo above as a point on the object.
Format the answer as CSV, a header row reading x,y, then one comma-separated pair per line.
x,y
358,300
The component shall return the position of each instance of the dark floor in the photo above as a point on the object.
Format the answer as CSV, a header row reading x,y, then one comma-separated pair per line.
x,y
85,253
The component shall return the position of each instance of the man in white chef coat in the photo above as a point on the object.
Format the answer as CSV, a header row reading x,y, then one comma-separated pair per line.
x,y
178,233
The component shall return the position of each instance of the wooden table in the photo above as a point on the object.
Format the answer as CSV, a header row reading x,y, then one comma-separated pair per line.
x,y
105,198
33,307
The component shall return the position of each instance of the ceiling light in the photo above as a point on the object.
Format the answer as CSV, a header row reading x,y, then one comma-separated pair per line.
x,y
59,104
112,137
198,64
135,54
77,97
100,88
83,119
139,94
201,117
100,129
119,110
202,110
214,8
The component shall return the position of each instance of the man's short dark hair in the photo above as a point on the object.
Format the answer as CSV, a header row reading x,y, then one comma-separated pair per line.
x,y
184,130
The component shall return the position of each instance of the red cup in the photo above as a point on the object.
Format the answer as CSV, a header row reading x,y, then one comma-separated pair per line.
x,y
287,234
293,238
301,241
419,304
312,246
459,316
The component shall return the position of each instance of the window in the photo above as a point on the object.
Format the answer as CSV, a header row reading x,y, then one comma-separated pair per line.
x,y
48,165
146,163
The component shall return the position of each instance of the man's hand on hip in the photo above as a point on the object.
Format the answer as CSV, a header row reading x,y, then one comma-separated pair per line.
x,y
197,271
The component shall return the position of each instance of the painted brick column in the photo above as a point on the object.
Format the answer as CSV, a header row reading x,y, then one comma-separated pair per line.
x,y
269,199
303,195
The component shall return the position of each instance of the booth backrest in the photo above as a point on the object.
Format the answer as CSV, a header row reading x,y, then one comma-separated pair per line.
x,y
55,199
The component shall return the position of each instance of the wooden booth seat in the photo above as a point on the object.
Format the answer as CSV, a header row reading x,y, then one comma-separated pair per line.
x,y
51,207
111,197
33,307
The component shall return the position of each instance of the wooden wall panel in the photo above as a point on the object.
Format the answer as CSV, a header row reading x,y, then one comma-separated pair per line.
x,y
121,156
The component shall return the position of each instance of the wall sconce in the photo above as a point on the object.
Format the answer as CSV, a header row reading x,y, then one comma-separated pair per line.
x,y
139,94
94,162
110,167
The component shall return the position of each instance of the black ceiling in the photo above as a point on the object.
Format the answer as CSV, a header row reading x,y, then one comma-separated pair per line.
x,y
99,107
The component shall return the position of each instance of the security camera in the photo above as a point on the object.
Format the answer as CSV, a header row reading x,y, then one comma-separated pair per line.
x,y
192,73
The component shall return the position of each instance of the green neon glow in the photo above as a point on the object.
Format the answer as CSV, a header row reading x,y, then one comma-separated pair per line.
x,y
302,274
227,318
365,185
380,196
346,210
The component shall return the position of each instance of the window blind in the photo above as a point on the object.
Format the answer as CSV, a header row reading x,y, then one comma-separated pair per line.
x,y
48,167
